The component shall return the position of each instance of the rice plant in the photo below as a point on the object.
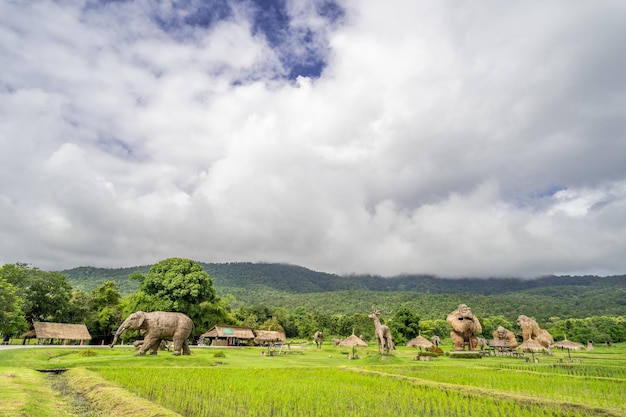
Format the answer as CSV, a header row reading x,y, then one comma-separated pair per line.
x,y
314,392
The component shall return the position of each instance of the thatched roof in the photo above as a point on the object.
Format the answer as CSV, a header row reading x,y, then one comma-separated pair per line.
x,y
568,344
531,345
352,341
269,336
61,331
29,334
420,341
229,331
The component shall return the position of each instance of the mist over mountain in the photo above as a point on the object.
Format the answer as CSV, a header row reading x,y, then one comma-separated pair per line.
x,y
297,279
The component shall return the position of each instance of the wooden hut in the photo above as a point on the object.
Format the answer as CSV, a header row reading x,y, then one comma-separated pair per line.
x,y
225,335
58,332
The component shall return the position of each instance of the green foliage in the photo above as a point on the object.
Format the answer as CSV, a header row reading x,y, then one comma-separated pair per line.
x,y
182,283
305,323
490,324
272,324
465,355
87,278
437,327
404,325
12,319
46,295
105,310
87,352
432,354
600,329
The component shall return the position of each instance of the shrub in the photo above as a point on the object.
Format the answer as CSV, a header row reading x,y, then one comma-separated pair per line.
x,y
87,352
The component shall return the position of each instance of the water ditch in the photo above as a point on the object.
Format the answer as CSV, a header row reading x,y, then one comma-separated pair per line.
x,y
78,403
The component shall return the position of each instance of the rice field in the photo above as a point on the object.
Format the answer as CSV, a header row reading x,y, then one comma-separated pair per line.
x,y
315,392
579,384
399,387
245,382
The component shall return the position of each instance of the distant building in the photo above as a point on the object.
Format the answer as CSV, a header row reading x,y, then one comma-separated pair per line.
x,y
225,335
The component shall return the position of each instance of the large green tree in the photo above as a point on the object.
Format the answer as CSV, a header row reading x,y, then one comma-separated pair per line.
x,y
46,295
181,285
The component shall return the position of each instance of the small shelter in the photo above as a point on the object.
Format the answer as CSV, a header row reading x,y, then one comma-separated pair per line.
x,y
352,341
225,335
270,337
58,332
569,345
531,346
420,342
266,336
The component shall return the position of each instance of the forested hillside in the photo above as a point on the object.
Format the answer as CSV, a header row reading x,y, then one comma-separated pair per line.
x,y
289,286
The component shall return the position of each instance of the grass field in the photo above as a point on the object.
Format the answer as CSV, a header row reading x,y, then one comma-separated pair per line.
x,y
243,382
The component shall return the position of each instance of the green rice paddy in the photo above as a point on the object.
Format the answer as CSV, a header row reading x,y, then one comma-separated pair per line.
x,y
244,382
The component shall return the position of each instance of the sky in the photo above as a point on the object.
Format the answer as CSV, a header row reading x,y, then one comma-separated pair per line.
x,y
456,138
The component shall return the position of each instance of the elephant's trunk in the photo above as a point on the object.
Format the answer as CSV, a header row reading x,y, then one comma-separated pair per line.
x,y
119,331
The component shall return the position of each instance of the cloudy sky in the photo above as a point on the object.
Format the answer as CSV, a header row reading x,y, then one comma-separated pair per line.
x,y
456,138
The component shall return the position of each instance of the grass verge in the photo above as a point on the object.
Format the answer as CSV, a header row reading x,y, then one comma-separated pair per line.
x,y
108,399
26,392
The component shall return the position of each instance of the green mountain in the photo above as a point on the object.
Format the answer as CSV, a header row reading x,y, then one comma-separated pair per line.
x,y
290,286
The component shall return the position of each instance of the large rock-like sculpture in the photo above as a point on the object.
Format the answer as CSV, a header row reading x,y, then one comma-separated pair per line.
x,y
531,330
505,335
464,326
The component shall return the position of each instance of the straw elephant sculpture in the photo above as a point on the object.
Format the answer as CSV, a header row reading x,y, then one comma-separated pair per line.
x,y
157,326
464,327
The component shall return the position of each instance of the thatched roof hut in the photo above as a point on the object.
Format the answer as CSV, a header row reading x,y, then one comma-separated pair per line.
x,y
531,345
568,344
420,342
225,335
59,331
263,336
352,341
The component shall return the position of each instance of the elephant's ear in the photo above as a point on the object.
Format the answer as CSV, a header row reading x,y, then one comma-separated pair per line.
x,y
141,317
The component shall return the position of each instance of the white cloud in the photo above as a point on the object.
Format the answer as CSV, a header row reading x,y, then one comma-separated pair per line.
x,y
455,139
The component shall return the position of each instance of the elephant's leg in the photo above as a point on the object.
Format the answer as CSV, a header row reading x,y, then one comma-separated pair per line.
x,y
148,343
178,345
155,346
186,350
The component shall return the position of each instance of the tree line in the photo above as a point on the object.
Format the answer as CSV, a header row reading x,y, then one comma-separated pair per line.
x,y
29,294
